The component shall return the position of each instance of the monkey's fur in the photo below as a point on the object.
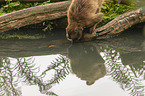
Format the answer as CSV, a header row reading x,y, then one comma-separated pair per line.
x,y
83,14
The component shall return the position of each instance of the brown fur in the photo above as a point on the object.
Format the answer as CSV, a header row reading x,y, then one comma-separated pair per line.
x,y
83,14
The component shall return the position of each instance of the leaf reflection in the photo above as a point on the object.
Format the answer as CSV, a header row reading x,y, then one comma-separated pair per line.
x,y
128,76
8,84
61,67
25,71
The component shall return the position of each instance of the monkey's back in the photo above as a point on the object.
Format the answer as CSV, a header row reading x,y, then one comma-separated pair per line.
x,y
82,9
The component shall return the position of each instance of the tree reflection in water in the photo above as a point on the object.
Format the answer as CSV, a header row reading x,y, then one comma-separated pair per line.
x,y
61,67
8,83
25,71
86,63
130,77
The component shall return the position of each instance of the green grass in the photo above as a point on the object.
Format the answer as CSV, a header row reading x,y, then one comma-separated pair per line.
x,y
112,10
14,6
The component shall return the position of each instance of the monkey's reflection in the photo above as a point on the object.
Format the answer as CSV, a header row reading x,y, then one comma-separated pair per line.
x,y
86,62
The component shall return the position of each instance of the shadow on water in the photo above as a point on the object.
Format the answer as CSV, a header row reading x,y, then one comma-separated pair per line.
x,y
122,58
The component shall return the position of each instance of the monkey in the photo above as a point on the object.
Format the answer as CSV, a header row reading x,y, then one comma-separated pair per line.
x,y
83,14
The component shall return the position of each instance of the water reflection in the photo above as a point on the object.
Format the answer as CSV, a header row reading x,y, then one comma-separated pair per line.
x,y
7,86
130,75
86,62
24,70
123,61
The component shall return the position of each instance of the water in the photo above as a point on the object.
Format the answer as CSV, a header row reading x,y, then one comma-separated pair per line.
x,y
54,66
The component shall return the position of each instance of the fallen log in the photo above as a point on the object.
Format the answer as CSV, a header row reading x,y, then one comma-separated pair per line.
x,y
121,23
33,15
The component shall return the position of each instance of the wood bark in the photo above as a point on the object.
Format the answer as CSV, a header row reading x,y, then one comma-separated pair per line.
x,y
58,10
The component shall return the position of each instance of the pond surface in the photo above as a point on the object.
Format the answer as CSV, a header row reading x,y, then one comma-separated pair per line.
x,y
55,67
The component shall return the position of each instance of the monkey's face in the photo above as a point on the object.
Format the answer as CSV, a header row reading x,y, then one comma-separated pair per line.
x,y
74,33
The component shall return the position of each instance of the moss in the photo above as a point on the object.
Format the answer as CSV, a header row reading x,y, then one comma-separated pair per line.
x,y
17,36
25,34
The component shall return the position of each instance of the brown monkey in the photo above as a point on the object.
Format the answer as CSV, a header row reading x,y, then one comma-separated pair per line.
x,y
83,14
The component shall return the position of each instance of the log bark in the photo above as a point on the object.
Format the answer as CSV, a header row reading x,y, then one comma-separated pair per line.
x,y
121,23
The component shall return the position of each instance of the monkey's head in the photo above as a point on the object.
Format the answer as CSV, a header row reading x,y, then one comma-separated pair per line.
x,y
74,32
